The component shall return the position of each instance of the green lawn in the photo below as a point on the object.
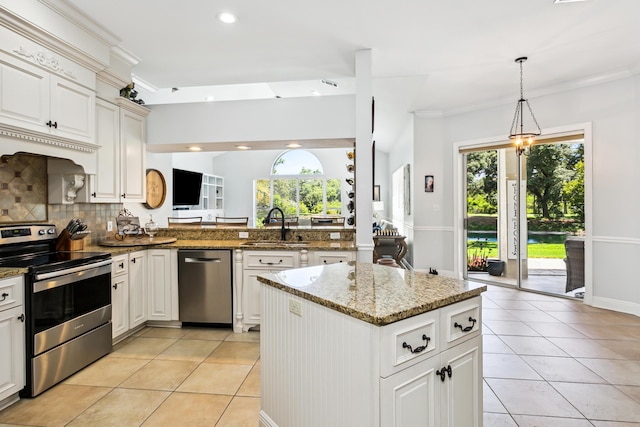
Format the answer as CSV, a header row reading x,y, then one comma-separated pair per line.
x,y
536,250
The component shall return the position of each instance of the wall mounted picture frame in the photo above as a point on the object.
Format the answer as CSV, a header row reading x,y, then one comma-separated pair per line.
x,y
428,183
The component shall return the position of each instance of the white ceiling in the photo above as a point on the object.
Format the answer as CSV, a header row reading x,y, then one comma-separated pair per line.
x,y
441,56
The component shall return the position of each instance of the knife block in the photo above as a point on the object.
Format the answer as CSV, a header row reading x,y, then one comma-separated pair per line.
x,y
64,242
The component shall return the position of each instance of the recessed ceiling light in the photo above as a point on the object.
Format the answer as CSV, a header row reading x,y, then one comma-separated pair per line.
x,y
227,18
294,145
243,147
209,98
195,148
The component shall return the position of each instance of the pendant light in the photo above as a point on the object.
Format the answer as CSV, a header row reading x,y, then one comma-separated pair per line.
x,y
522,138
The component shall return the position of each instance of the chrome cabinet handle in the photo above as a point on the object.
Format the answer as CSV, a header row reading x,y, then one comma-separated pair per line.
x,y
467,328
417,349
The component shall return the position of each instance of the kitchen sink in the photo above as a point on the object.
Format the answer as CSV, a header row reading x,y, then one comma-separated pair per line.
x,y
277,243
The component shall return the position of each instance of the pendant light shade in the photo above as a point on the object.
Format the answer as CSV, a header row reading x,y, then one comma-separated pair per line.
x,y
523,137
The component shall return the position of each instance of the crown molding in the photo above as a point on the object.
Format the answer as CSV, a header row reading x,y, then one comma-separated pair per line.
x,y
43,38
26,135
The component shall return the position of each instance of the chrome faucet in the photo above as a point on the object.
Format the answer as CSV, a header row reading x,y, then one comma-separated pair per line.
x,y
283,232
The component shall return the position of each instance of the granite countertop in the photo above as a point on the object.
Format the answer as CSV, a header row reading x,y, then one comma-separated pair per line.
x,y
12,271
373,293
130,245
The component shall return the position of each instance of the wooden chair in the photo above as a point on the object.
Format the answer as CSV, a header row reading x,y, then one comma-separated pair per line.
x,y
232,222
327,221
192,221
288,222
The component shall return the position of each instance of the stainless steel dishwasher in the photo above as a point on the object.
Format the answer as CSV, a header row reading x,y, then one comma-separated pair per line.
x,y
205,286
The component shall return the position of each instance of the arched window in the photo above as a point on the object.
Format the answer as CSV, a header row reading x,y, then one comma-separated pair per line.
x,y
298,187
296,162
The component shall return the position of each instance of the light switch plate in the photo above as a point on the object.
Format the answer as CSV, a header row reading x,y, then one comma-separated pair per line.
x,y
334,236
243,235
109,225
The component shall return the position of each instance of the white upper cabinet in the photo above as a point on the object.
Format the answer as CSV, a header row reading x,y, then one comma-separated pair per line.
x,y
132,154
121,134
106,182
34,99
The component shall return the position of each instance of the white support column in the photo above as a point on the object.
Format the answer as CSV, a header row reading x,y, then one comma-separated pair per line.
x,y
364,141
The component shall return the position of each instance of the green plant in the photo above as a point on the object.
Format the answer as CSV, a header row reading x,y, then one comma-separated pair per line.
x,y
478,260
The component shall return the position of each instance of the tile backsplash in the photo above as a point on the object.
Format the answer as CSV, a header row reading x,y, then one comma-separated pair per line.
x,y
23,188
23,198
95,215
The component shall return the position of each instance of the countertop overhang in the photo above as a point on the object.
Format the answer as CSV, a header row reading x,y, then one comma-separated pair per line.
x,y
376,294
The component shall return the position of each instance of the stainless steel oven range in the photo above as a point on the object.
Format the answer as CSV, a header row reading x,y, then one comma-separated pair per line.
x,y
67,303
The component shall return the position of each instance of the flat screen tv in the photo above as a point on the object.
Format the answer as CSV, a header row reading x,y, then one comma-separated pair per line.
x,y
186,187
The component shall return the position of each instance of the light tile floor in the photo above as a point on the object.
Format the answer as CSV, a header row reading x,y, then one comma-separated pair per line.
x,y
547,362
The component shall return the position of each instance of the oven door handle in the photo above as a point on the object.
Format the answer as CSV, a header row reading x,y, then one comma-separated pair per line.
x,y
46,281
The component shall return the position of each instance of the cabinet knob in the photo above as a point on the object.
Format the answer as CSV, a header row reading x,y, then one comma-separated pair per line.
x,y
21,318
115,286
93,194
121,265
124,195
133,260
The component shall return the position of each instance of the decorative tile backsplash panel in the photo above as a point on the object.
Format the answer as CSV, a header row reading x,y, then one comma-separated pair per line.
x,y
23,198
23,188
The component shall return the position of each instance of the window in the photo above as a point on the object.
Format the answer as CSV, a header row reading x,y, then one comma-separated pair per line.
x,y
298,187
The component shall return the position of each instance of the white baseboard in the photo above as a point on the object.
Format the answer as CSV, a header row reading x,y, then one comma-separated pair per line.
x,y
616,305
265,421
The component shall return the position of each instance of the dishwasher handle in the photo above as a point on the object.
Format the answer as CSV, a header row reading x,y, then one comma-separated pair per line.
x,y
202,260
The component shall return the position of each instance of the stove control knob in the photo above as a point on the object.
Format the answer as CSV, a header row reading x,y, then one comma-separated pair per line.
x,y
42,232
51,231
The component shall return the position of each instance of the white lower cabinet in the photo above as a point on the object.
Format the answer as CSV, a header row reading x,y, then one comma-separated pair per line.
x,y
143,287
256,263
408,373
119,305
444,390
137,288
12,330
159,284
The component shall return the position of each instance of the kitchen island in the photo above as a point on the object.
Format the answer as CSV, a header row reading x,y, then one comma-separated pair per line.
x,y
361,344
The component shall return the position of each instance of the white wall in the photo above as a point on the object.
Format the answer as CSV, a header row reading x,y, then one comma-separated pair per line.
x,y
613,232
255,120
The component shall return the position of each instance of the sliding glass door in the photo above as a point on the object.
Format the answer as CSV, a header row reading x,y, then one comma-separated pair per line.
x,y
516,233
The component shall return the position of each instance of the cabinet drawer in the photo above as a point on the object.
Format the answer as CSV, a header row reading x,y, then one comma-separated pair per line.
x,y
408,342
328,257
270,260
11,292
120,265
460,321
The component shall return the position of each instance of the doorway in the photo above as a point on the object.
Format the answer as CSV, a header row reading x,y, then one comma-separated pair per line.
x,y
529,236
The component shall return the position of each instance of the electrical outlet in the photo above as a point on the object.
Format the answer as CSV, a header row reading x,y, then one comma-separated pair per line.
x,y
334,236
295,306
109,225
243,235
